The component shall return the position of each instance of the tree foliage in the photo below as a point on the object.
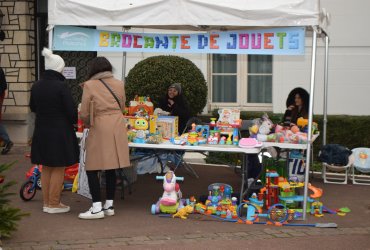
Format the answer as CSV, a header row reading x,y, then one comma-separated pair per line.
x,y
152,77
9,216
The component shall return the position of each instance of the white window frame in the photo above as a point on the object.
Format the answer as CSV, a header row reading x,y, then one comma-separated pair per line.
x,y
242,89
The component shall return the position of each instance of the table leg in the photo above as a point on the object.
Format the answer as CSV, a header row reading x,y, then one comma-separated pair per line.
x,y
244,175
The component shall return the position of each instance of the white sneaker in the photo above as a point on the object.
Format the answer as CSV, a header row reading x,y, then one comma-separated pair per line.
x,y
90,215
108,211
45,209
57,210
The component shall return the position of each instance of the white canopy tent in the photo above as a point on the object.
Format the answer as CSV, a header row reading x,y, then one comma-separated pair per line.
x,y
203,15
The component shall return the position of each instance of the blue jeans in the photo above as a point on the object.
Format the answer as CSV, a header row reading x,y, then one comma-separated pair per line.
x,y
3,134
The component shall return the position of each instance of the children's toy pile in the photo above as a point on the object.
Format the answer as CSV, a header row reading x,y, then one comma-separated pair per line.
x,y
264,130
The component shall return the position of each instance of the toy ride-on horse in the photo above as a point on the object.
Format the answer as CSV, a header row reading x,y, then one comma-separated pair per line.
x,y
171,201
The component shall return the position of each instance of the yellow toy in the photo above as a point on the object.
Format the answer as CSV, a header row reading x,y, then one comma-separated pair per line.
x,y
141,128
184,212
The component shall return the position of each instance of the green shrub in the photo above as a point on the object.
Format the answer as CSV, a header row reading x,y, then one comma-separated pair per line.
x,y
9,216
152,77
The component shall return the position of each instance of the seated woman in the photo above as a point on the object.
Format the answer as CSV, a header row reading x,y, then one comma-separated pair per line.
x,y
175,104
297,106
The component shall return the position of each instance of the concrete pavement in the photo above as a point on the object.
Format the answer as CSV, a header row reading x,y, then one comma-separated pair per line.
x,y
133,227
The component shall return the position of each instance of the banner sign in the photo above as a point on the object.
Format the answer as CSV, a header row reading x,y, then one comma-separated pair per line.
x,y
276,41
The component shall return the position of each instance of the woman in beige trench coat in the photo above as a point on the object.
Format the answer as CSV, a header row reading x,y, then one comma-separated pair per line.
x,y
106,144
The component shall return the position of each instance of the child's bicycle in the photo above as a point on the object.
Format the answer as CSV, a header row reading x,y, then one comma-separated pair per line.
x,y
28,189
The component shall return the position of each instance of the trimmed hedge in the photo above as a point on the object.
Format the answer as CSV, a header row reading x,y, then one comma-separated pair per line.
x,y
152,77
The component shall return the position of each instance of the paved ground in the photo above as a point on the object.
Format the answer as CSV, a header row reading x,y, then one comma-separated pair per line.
x,y
133,227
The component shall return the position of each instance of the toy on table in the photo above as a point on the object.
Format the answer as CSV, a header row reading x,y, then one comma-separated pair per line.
x,y
226,129
171,201
141,106
203,133
213,122
184,212
141,129
192,139
214,137
303,125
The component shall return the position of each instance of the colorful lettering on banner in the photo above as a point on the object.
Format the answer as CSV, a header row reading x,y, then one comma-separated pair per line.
x,y
184,42
126,41
278,41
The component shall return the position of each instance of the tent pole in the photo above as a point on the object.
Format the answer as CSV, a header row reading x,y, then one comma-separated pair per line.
x,y
325,112
124,58
310,116
50,32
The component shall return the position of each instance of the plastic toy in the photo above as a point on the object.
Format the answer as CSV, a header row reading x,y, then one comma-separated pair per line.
x,y
28,189
141,106
219,201
192,139
184,212
213,122
277,214
171,201
141,129
249,143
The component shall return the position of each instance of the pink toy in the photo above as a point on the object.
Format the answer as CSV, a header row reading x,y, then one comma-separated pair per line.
x,y
171,200
249,143
172,191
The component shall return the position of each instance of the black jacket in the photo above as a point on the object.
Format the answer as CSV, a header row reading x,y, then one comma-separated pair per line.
x,y
180,108
54,141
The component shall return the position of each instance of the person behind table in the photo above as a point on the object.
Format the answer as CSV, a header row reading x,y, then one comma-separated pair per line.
x,y
297,106
8,144
174,102
106,144
54,142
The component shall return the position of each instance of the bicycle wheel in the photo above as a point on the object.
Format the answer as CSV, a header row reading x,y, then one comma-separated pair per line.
x,y
27,191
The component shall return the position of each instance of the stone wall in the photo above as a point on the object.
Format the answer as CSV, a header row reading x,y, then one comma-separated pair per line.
x,y
17,58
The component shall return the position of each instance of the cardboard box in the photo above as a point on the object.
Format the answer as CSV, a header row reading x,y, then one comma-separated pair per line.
x,y
168,126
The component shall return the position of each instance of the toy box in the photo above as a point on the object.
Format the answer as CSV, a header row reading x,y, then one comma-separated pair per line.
x,y
168,126
229,116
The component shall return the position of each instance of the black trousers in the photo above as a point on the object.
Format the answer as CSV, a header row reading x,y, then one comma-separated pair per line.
x,y
94,184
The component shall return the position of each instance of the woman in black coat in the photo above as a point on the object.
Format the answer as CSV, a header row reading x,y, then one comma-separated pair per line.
x,y
175,104
297,106
54,142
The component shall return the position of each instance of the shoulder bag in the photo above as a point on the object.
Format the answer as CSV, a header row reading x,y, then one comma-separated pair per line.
x,y
111,91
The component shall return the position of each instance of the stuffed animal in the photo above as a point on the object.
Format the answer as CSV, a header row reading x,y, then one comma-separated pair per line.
x,y
265,128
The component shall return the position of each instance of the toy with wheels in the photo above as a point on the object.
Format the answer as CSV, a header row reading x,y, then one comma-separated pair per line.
x,y
277,214
28,189
171,201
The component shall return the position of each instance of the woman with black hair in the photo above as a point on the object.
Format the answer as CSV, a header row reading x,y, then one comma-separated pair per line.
x,y
297,106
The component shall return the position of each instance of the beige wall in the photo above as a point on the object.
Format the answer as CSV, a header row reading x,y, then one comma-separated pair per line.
x,y
17,58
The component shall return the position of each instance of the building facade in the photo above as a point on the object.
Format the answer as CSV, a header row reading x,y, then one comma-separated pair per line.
x,y
17,58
